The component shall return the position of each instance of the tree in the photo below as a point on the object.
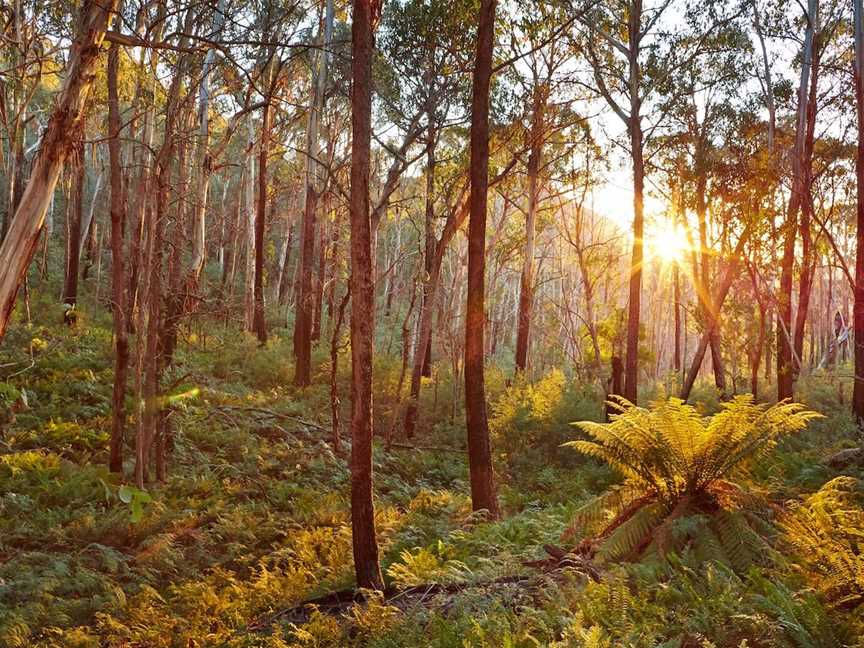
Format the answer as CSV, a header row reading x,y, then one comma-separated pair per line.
x,y
303,318
65,123
785,363
858,390
483,495
632,58
118,269
366,567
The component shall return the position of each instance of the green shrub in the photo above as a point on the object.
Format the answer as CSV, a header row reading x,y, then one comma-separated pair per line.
x,y
530,421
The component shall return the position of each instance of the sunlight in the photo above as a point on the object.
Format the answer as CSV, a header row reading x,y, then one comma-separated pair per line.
x,y
666,240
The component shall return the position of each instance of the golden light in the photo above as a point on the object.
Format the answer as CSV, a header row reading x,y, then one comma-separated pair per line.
x,y
666,240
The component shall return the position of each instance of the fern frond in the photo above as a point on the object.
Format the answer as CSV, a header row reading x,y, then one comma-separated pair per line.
x,y
629,535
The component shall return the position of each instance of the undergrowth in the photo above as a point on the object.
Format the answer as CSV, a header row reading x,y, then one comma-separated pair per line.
x,y
254,517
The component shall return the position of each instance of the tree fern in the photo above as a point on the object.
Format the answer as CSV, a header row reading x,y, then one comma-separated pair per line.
x,y
676,464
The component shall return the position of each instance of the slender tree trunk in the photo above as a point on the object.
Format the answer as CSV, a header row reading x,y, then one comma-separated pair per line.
x,y
631,362
304,311
143,162
858,393
204,162
526,287
429,230
250,219
808,260
260,325
483,494
118,269
73,231
785,363
365,545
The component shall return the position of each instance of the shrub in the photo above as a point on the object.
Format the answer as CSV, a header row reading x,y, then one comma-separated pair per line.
x,y
529,422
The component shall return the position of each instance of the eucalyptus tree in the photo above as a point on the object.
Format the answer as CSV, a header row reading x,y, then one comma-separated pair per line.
x,y
426,53
56,145
700,101
542,75
366,14
483,492
304,311
25,44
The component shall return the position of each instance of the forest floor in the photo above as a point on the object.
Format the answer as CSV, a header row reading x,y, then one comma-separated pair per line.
x,y
253,520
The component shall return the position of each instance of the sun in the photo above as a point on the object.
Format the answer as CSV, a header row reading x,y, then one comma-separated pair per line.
x,y
666,240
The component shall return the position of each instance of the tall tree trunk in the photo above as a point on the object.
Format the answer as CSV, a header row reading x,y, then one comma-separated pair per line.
x,y
785,363
304,311
118,269
73,230
259,323
808,259
858,392
152,338
249,213
429,228
526,286
204,168
365,545
631,362
483,494
143,162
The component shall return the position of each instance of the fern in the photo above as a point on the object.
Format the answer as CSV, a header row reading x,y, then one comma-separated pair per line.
x,y
826,532
678,464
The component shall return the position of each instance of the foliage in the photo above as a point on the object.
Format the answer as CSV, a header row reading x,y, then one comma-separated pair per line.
x,y
530,421
826,534
677,468
254,520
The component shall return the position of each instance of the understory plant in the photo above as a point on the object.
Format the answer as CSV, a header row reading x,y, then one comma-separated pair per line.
x,y
826,535
683,478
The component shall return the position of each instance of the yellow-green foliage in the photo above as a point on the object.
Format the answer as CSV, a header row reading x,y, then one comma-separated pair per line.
x,y
427,565
675,464
530,421
826,533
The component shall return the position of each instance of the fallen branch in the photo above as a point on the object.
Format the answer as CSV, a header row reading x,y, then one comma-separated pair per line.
x,y
335,602
276,415
408,446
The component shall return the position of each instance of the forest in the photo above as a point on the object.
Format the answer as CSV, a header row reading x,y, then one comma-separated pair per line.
x,y
431,323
